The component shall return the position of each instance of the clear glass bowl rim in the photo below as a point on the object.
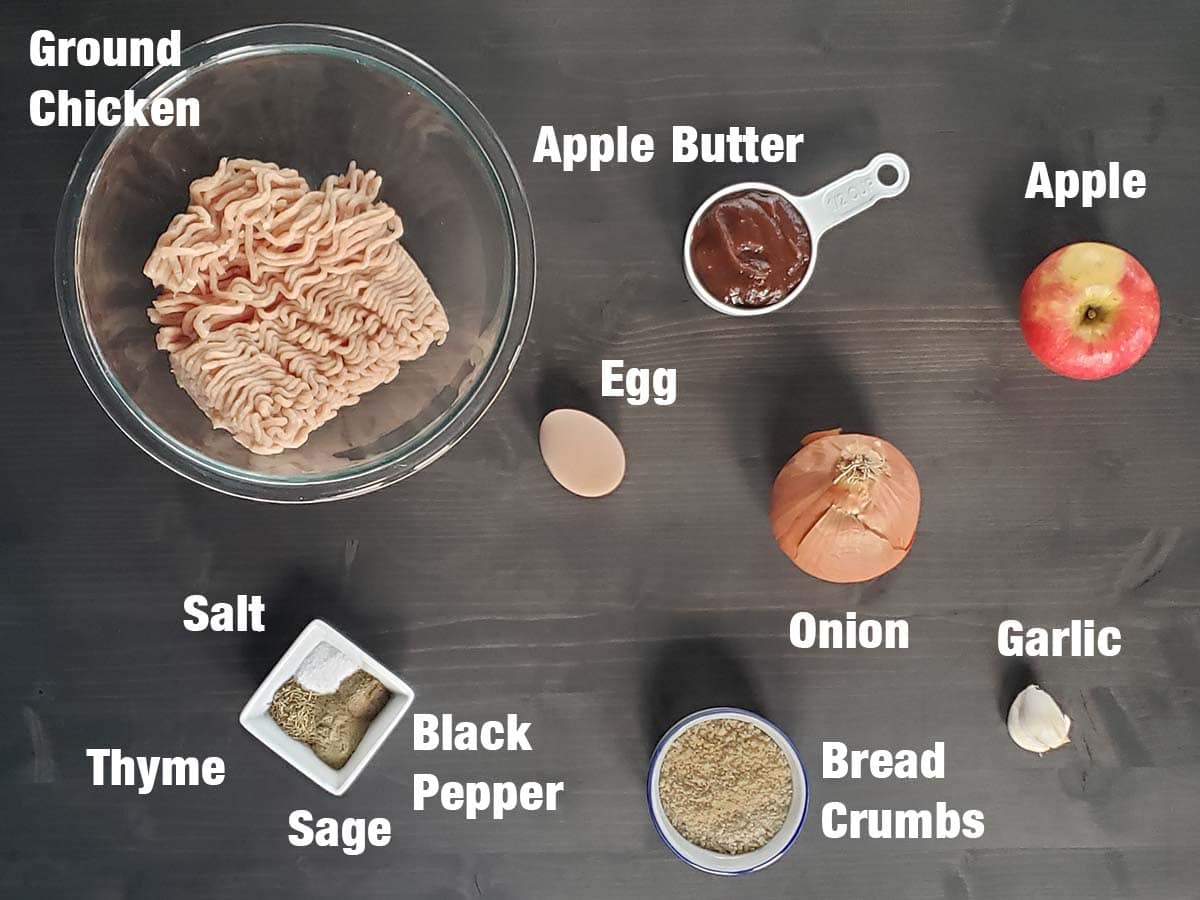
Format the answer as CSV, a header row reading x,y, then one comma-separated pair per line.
x,y
409,457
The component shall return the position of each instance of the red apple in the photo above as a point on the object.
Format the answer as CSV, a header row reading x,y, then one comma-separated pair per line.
x,y
1089,310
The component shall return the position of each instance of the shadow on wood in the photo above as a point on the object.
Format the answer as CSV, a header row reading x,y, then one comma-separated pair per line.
x,y
691,674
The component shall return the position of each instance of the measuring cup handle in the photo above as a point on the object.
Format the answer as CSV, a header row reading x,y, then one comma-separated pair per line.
x,y
853,193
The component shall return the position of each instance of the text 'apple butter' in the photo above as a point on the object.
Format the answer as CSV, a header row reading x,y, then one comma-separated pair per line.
x,y
751,248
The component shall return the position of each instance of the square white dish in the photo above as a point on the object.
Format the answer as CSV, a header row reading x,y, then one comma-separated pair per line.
x,y
256,719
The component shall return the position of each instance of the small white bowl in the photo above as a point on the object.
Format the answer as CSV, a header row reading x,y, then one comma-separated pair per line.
x,y
726,863
256,717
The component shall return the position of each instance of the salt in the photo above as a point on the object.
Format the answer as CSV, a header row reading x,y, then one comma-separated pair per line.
x,y
324,669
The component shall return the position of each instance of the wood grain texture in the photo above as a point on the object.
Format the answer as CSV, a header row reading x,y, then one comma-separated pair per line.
x,y
491,590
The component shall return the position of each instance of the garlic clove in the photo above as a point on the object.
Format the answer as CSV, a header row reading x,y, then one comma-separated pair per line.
x,y
1036,723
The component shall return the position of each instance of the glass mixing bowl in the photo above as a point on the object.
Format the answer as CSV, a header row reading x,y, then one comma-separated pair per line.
x,y
312,98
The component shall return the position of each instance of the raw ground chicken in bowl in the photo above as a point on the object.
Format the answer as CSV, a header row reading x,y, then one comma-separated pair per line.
x,y
311,99
280,304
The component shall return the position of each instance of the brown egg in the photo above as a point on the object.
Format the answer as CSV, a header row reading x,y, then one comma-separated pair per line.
x,y
582,453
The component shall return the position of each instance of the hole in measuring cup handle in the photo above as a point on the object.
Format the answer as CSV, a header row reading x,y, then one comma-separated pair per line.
x,y
890,173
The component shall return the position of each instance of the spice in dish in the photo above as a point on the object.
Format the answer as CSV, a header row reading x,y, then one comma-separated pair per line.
x,y
346,717
332,722
726,786
325,668
294,709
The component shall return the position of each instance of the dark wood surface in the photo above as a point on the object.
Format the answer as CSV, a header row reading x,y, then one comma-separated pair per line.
x,y
491,590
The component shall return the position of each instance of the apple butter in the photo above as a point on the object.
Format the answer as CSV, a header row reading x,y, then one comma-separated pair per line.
x,y
751,248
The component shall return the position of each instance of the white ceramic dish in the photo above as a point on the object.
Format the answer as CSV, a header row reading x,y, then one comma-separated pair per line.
x,y
256,719
821,210
724,863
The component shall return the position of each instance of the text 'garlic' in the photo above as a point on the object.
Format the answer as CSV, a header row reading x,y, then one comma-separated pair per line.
x,y
1035,722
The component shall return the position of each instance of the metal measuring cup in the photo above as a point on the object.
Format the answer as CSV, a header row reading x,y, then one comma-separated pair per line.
x,y
821,210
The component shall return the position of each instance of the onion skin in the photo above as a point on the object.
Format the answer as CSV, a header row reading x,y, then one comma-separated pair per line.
x,y
837,523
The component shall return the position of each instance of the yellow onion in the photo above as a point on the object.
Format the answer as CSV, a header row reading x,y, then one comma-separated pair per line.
x,y
845,507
